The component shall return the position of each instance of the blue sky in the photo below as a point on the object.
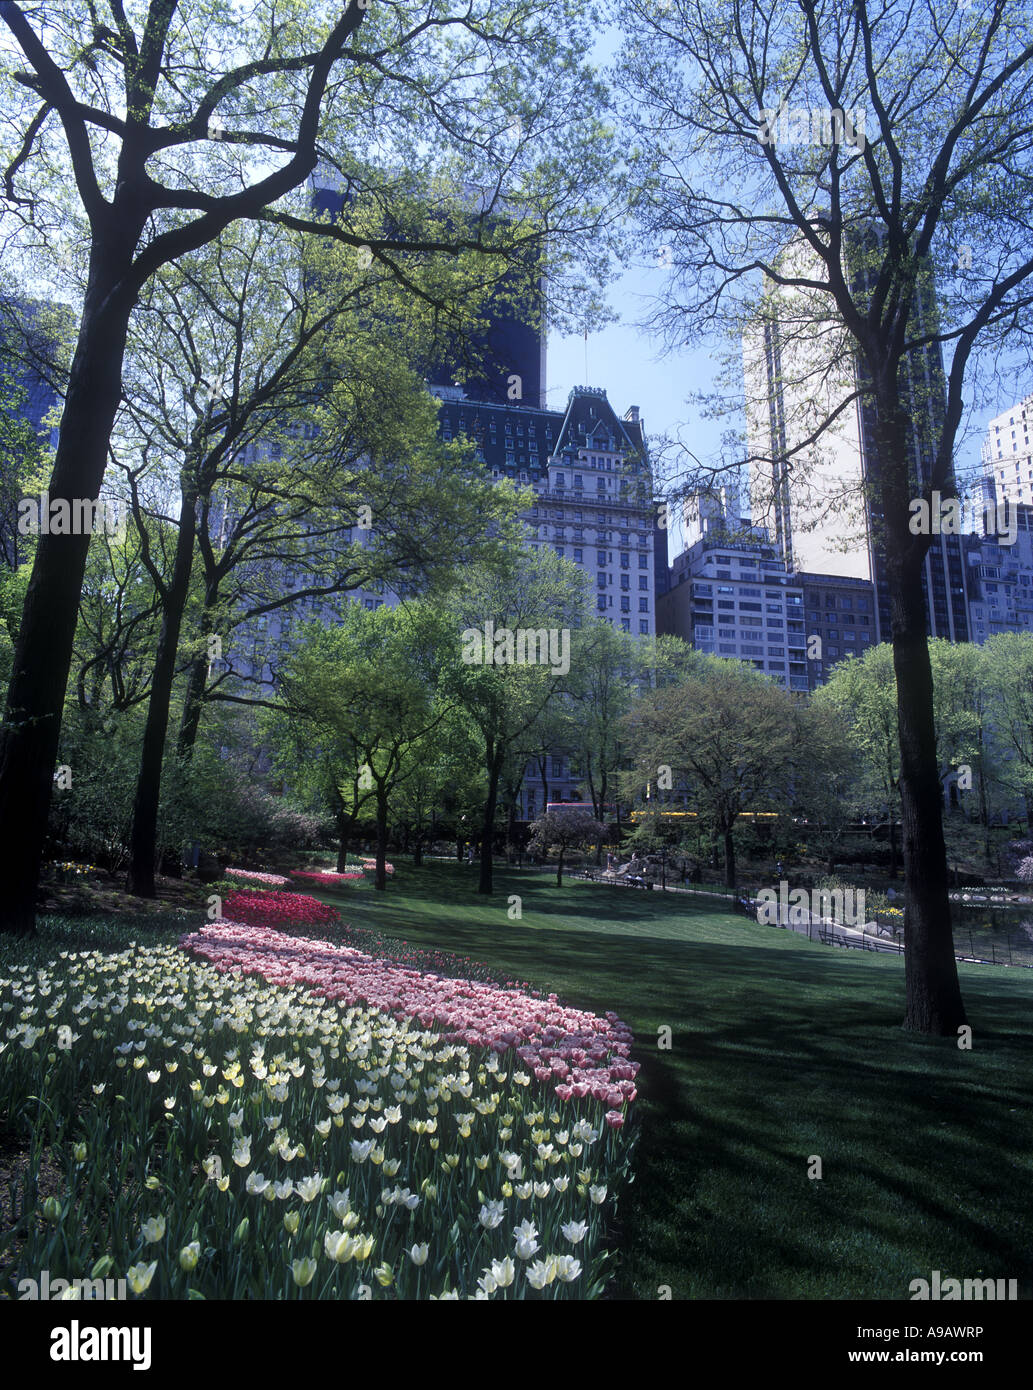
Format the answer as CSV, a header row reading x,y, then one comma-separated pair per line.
x,y
629,364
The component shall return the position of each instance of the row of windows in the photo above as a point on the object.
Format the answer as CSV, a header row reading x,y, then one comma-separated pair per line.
x,y
606,601
643,623
817,616
863,605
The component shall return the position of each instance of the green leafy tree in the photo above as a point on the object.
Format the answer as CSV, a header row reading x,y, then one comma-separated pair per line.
x,y
964,727
606,666
287,411
884,246
1009,678
505,697
862,691
364,693
728,737
138,138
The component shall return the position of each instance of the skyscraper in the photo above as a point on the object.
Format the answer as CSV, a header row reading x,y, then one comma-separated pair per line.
x,y
815,467
506,359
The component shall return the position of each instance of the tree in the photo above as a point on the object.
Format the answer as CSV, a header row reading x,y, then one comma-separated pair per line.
x,y
607,662
850,224
364,694
504,690
1009,657
442,774
728,737
124,117
863,692
964,728
565,828
267,496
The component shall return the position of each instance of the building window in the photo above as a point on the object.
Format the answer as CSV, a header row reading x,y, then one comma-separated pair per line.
x,y
643,605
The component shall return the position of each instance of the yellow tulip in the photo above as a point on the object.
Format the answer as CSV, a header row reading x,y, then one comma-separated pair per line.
x,y
140,1276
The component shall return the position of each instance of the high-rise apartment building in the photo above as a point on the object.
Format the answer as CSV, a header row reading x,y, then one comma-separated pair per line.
x,y
1000,578
1008,453
731,595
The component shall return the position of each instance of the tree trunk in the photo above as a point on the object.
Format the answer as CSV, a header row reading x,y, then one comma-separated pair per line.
x,y
485,883
933,995
417,854
43,652
193,703
380,879
559,870
984,814
144,832
343,827
729,858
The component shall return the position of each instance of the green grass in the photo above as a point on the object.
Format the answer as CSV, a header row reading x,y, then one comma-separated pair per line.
x,y
781,1049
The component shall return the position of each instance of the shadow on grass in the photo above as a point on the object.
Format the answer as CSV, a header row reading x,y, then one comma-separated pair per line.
x,y
780,1050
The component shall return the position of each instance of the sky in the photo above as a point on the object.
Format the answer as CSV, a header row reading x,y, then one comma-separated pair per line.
x,y
628,363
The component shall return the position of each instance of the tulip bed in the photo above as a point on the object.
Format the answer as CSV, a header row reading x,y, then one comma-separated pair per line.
x,y
277,908
583,1055
251,876
220,1134
325,877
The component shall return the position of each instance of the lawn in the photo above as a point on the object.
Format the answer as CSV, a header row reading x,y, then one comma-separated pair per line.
x,y
780,1049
